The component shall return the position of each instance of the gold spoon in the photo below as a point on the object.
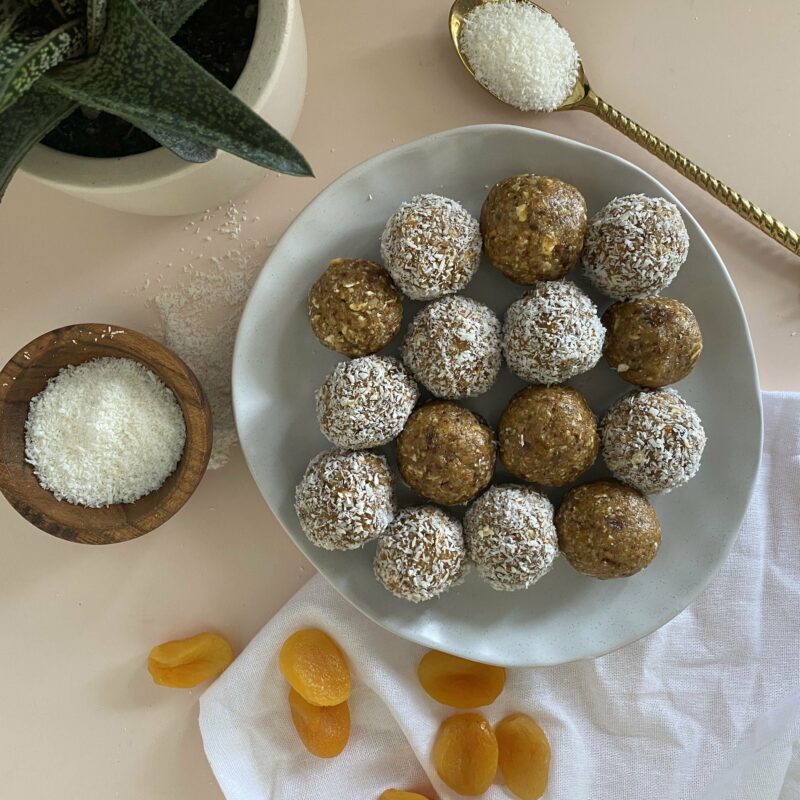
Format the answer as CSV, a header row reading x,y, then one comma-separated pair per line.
x,y
584,98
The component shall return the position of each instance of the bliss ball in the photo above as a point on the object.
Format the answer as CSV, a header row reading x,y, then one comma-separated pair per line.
x,y
446,453
511,537
365,402
453,347
533,227
652,440
652,342
635,246
607,530
431,246
552,333
548,435
345,499
354,307
421,554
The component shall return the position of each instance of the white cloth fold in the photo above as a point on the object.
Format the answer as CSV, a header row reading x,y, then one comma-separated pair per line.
x,y
707,708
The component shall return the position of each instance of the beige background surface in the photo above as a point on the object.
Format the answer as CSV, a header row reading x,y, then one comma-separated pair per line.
x,y
80,716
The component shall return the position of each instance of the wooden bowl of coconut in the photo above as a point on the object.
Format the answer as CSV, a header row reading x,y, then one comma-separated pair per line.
x,y
104,433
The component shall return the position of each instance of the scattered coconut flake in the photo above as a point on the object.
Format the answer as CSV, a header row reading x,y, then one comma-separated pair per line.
x,y
520,54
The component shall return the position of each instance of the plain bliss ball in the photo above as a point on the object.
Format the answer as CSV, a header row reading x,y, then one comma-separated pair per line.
x,y
511,537
453,347
520,54
634,246
106,431
345,499
431,246
652,440
421,554
365,402
552,333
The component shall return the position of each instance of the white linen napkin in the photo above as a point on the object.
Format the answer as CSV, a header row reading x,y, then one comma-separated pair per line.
x,y
707,708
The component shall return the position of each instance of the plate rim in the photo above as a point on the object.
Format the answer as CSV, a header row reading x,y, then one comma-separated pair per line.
x,y
374,161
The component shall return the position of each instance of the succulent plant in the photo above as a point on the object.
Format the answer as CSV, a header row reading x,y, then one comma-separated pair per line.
x,y
116,56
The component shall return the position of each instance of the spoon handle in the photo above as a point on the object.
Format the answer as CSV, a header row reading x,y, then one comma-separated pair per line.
x,y
732,199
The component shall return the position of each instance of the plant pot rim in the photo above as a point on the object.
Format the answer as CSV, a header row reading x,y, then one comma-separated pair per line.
x,y
261,72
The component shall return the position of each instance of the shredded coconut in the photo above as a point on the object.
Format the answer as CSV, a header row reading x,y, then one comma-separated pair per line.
x,y
199,313
365,402
552,333
345,499
520,54
431,246
652,440
511,536
635,246
421,554
453,347
106,431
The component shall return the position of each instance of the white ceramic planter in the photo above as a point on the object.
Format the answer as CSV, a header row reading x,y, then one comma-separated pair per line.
x,y
272,83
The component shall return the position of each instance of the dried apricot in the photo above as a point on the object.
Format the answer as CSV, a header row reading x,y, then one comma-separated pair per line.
x,y
315,667
184,663
524,756
465,754
397,794
458,682
324,730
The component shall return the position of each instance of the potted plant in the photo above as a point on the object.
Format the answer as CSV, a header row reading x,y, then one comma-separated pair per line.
x,y
129,119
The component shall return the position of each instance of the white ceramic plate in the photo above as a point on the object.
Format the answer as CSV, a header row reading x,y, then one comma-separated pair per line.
x,y
278,364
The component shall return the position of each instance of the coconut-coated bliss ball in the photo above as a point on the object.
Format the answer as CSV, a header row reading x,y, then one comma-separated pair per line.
x,y
635,246
365,402
607,530
453,347
345,499
421,554
533,227
511,537
431,246
354,307
552,333
652,440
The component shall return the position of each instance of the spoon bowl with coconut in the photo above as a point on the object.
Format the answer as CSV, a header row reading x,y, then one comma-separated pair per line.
x,y
522,55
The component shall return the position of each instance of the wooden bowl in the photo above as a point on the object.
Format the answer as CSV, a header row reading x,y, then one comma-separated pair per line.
x,y
27,374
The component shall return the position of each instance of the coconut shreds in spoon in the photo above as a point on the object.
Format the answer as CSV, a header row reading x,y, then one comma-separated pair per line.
x,y
553,96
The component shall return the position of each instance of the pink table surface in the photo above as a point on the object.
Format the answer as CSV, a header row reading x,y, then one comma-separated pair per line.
x,y
80,715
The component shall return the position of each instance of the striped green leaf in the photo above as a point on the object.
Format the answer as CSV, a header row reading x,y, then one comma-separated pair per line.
x,y
25,57
188,151
169,15
140,75
95,24
34,115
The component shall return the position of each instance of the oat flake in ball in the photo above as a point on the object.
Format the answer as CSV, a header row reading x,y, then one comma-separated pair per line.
x,y
635,246
446,453
533,227
453,347
552,333
548,435
365,402
607,530
345,499
652,440
354,308
431,246
652,342
511,537
421,554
